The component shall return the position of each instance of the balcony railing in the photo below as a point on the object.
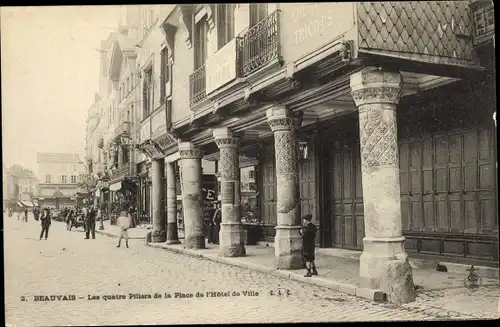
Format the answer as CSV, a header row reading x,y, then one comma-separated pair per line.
x,y
197,86
123,129
261,44
124,170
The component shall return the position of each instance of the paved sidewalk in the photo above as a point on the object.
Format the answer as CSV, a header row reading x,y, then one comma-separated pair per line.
x,y
138,232
441,293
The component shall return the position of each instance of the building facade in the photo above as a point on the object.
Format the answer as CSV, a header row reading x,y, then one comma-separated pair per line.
x,y
343,111
60,177
349,117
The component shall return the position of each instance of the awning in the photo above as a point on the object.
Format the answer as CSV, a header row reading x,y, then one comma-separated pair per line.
x,y
115,187
19,203
26,203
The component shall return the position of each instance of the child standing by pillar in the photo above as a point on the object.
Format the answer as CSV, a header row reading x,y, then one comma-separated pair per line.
x,y
308,244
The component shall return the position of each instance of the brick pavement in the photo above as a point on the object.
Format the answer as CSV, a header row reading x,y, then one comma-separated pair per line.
x,y
68,264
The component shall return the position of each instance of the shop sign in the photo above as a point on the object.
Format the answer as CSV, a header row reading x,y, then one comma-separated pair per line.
x,y
308,26
221,67
209,194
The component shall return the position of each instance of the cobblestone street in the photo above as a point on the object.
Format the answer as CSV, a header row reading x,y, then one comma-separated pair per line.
x,y
67,264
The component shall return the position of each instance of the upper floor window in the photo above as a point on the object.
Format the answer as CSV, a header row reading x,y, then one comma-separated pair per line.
x,y
165,72
200,42
148,92
64,179
225,23
128,84
258,11
47,179
73,179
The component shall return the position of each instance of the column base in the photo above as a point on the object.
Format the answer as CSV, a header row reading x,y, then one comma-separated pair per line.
x,y
172,235
376,252
231,239
288,248
195,242
158,236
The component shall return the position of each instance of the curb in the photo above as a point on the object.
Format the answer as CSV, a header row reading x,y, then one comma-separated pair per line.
x,y
116,236
373,295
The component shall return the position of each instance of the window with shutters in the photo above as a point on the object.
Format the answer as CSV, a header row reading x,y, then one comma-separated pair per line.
x,y
148,92
200,42
165,74
258,11
225,23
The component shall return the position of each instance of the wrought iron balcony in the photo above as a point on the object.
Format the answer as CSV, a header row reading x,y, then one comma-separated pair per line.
x,y
123,129
124,170
197,86
261,44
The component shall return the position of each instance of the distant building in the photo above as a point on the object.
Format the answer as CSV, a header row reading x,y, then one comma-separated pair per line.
x,y
60,176
10,188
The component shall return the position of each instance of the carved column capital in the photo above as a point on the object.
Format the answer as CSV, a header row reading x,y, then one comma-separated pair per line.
x,y
376,87
224,138
188,151
279,119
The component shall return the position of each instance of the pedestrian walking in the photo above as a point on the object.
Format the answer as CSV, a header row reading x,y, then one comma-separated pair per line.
x,y
124,222
26,215
308,232
216,220
45,221
90,223
69,221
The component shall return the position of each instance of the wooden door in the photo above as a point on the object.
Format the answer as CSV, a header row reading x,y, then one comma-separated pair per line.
x,y
344,216
268,194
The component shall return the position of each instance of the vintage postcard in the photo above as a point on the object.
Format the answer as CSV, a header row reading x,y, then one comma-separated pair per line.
x,y
249,163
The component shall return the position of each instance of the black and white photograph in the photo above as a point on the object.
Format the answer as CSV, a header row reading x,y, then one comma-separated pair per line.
x,y
227,163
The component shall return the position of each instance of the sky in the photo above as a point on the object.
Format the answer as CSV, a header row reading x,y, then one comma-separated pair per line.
x,y
50,72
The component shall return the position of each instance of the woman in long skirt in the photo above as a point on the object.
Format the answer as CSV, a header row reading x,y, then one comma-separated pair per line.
x,y
124,222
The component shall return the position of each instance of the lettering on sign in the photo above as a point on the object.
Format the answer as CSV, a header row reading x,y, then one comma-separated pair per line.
x,y
311,24
220,68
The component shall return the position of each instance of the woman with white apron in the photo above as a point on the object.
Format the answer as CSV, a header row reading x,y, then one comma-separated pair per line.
x,y
124,221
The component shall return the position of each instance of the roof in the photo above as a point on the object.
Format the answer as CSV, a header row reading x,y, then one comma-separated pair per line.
x,y
46,157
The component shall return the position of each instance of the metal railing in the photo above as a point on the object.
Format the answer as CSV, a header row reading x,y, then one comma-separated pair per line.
x,y
124,170
261,44
197,86
123,129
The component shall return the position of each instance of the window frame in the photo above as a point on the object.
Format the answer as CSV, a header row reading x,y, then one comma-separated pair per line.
x,y
147,92
200,42
225,17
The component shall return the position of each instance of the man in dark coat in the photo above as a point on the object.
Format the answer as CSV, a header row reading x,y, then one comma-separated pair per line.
x,y
308,244
45,221
90,223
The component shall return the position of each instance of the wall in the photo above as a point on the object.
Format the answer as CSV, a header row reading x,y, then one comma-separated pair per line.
x,y
182,68
56,170
307,26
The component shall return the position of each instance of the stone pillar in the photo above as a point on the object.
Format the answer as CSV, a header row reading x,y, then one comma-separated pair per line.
x,y
157,189
288,241
192,199
376,94
231,234
172,236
